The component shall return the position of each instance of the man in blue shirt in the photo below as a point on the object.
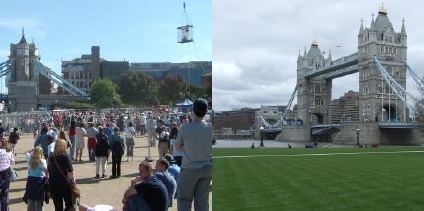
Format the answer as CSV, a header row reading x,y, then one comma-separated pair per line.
x,y
167,178
146,192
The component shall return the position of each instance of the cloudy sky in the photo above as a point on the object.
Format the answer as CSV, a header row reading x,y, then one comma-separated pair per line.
x,y
256,44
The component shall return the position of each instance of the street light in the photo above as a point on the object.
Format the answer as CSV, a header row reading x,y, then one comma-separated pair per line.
x,y
357,137
261,129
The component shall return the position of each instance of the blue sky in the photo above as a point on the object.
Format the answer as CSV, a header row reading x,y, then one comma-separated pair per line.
x,y
131,30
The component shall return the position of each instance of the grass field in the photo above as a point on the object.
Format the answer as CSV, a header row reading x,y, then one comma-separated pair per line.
x,y
386,178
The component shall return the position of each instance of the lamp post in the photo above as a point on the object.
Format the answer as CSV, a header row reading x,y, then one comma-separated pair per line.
x,y
261,129
357,137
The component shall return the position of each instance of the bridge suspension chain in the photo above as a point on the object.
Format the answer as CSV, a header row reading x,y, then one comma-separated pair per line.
x,y
395,86
280,119
59,80
417,79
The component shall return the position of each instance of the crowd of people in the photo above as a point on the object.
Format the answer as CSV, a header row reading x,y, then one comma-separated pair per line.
x,y
182,171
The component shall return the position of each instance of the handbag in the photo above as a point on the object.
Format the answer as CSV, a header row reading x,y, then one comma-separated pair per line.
x,y
76,192
13,175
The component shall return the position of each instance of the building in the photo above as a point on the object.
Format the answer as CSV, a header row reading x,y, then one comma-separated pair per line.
x,y
192,72
23,81
346,108
243,119
81,72
377,102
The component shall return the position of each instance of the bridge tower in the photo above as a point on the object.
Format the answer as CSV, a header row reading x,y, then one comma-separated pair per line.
x,y
313,94
377,102
22,84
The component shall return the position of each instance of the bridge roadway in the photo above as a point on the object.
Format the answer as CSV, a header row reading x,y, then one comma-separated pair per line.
x,y
337,68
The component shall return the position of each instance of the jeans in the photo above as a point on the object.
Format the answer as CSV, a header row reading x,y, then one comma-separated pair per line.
x,y
137,202
34,205
72,151
130,146
103,161
194,184
116,166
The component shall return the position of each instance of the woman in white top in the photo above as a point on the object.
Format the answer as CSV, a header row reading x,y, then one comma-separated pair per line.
x,y
129,140
6,159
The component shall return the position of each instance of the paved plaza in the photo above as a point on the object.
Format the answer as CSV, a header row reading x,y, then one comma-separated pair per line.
x,y
94,191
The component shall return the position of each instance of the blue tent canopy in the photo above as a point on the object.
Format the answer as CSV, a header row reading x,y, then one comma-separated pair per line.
x,y
185,103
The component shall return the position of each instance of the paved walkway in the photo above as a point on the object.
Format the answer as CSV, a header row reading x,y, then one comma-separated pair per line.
x,y
94,191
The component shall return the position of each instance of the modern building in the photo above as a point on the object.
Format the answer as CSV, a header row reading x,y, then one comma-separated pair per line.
x,y
192,72
346,108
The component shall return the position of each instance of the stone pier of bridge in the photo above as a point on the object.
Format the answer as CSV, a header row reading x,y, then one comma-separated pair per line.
x,y
369,133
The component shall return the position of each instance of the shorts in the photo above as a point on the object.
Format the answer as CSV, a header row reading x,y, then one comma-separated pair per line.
x,y
79,144
91,143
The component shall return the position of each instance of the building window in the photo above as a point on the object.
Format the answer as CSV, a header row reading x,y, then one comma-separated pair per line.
x,y
394,50
390,39
382,49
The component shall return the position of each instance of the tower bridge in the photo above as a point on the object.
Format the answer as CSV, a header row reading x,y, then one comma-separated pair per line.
x,y
384,109
23,71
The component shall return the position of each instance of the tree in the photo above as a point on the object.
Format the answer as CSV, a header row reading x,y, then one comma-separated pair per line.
x,y
197,91
149,90
208,85
45,86
104,93
170,89
130,88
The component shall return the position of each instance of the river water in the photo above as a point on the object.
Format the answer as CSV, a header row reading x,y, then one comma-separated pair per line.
x,y
246,143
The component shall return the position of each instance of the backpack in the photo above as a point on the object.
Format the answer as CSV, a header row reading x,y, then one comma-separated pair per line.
x,y
102,146
13,138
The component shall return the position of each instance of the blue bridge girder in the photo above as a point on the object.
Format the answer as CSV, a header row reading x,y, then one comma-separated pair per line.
x,y
59,80
331,66
341,72
324,129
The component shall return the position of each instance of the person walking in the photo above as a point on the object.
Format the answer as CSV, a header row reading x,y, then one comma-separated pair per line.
x,y
162,137
151,125
177,154
37,184
72,133
117,147
5,164
91,142
129,140
102,152
194,139
60,169
80,133
13,140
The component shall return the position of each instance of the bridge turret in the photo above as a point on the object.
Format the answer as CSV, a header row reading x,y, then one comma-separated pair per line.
x,y
372,31
403,36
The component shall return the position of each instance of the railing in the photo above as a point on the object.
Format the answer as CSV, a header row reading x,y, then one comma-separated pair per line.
x,y
399,125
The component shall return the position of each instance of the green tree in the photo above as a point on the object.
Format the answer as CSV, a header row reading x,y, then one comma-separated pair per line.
x,y
148,90
197,91
170,89
208,85
130,88
104,93
44,85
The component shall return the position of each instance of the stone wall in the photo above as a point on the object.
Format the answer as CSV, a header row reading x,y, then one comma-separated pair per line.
x,y
368,133
294,133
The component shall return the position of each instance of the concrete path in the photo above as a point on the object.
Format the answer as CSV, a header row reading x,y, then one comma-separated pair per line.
x,y
94,191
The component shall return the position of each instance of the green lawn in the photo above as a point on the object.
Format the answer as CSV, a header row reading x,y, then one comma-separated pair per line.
x,y
386,178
